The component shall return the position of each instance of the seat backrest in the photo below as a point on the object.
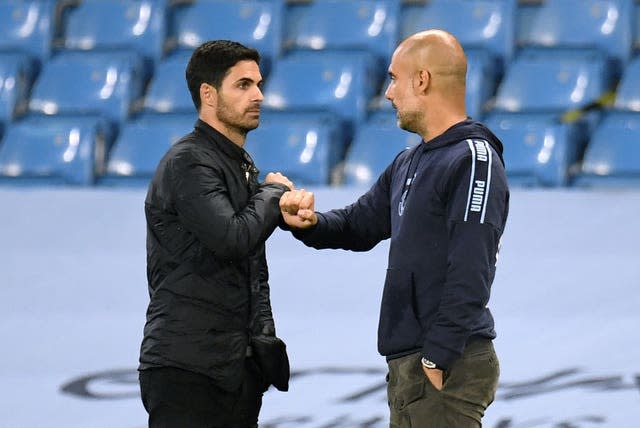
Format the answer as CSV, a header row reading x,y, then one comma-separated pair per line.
x,y
477,24
605,25
538,150
257,24
64,150
337,81
99,83
27,26
17,71
167,91
614,147
553,81
371,25
628,91
376,143
141,144
305,147
139,25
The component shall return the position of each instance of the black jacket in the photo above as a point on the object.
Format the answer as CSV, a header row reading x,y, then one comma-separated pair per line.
x,y
444,204
207,222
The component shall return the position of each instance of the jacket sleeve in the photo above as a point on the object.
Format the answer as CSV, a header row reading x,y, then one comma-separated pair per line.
x,y
265,314
476,215
203,204
357,227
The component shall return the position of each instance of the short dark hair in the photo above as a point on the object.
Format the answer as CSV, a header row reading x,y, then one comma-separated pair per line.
x,y
210,63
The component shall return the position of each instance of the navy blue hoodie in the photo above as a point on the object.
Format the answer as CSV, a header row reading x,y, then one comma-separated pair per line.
x,y
444,204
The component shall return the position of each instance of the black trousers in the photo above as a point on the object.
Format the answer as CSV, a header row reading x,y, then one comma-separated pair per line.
x,y
176,398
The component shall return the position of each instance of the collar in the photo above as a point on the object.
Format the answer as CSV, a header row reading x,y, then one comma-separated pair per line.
x,y
220,141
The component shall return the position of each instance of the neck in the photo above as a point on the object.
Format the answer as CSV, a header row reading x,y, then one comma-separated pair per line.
x,y
236,136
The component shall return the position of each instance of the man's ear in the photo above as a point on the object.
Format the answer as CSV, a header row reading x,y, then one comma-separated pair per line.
x,y
424,80
207,94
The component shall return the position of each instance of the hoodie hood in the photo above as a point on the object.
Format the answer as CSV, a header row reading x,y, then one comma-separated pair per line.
x,y
467,129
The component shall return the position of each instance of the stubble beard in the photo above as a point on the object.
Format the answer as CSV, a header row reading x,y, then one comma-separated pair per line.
x,y
234,119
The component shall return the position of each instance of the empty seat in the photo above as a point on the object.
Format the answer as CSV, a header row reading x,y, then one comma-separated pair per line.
x,y
538,149
371,25
478,24
612,158
628,91
137,25
17,72
28,26
552,82
376,143
54,150
257,24
304,147
602,25
95,83
140,146
335,81
168,91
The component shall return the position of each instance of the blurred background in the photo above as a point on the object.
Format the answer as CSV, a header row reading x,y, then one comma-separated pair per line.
x,y
92,94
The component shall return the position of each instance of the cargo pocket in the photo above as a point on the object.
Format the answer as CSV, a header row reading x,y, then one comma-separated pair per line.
x,y
407,395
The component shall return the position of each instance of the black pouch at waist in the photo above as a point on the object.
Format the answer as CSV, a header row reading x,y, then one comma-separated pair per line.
x,y
270,353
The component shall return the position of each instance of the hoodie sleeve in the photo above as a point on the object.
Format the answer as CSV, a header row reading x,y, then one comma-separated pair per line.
x,y
476,215
357,227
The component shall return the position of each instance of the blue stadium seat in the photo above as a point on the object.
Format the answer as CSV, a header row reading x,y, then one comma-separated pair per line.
x,y
136,25
478,24
306,147
28,26
538,149
257,24
628,91
140,146
370,25
168,91
17,72
552,82
602,25
335,81
54,150
376,143
95,83
612,158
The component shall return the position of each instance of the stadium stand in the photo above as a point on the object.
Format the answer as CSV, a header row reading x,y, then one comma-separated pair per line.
x,y
140,146
258,24
362,25
339,82
17,72
167,91
612,158
376,143
107,84
581,26
54,150
306,147
547,74
28,26
116,25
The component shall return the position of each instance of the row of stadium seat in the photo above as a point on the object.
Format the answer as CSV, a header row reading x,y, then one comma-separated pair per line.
x,y
102,90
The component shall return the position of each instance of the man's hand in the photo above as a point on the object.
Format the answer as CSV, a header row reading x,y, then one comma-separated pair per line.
x,y
434,376
297,207
276,177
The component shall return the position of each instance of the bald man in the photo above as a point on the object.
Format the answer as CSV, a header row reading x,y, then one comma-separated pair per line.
x,y
444,204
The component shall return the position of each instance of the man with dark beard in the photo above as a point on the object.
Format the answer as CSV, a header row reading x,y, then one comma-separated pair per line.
x,y
444,205
208,218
